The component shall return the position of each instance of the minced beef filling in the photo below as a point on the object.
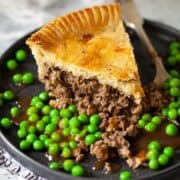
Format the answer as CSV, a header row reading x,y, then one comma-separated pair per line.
x,y
119,113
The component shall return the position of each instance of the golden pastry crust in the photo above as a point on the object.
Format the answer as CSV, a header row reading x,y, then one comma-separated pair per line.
x,y
91,43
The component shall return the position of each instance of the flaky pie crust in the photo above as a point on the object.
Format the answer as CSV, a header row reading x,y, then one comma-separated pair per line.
x,y
91,43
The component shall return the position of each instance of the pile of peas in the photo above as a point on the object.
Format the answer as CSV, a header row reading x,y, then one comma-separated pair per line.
x,y
12,64
20,56
172,112
47,128
56,131
158,158
7,95
148,122
174,54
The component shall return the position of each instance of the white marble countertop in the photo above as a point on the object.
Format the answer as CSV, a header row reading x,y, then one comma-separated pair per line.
x,y
18,17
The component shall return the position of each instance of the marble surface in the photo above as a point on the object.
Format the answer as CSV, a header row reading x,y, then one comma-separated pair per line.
x,y
19,17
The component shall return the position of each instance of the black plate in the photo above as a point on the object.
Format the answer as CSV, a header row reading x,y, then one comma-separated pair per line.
x,y
160,35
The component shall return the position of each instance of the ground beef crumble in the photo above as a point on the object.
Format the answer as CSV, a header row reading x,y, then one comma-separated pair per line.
x,y
119,113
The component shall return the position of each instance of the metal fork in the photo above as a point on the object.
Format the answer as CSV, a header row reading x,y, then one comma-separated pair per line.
x,y
133,20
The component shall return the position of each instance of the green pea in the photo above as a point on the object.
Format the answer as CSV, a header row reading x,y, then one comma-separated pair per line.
x,y
31,138
28,78
24,124
33,117
24,145
174,73
173,45
54,112
39,105
156,120
163,159
77,170
72,144
174,52
152,154
34,100
94,119
65,113
125,175
47,143
92,128
142,123
5,123
74,131
72,108
171,130
68,164
53,149
154,145
178,57
31,129
150,127
174,82
66,131
54,165
31,110
11,64
90,139
21,133
40,126
165,112
21,55
44,96
83,132
64,123
146,117
46,109
46,119
56,137
174,92
8,95
17,78
63,145
74,122
43,137
66,152
98,135
55,119
172,114
83,118
38,145
50,128
153,164
173,105
171,61
169,151
15,111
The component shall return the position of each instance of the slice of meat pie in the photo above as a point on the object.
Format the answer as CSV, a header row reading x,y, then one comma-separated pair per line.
x,y
86,58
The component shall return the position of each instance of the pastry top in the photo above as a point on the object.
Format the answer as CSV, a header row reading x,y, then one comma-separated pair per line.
x,y
90,43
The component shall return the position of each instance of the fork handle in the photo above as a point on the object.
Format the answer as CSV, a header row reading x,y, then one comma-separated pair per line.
x,y
161,73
